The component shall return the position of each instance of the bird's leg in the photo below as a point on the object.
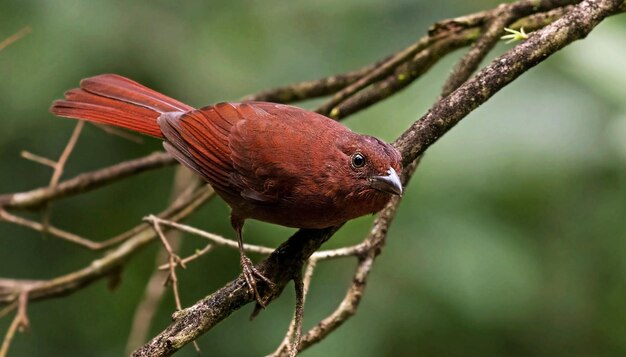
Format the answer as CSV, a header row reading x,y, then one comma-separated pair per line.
x,y
250,273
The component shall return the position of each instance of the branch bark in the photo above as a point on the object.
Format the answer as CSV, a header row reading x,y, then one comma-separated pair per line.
x,y
280,267
85,182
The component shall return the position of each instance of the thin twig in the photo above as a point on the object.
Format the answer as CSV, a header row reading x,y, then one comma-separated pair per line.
x,y
173,261
311,89
298,315
294,326
378,73
59,233
58,167
19,323
144,313
479,50
346,308
494,23
69,147
198,253
38,159
8,309
15,37
252,248
405,74
216,239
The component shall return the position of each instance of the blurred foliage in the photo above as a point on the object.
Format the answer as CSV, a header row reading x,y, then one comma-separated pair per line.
x,y
511,239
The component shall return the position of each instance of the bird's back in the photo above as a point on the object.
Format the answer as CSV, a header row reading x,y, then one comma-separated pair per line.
x,y
262,158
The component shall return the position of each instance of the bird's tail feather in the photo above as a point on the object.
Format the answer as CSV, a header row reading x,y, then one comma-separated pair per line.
x,y
119,101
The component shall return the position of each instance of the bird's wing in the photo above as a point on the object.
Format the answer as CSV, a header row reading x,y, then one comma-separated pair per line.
x,y
257,150
200,140
258,153
274,150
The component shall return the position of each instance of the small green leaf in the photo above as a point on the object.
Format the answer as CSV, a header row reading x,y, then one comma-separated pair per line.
x,y
514,35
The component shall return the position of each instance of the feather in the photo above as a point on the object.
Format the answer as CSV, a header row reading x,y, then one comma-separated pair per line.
x,y
115,100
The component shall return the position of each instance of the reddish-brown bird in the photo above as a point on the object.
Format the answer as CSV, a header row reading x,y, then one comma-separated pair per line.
x,y
272,162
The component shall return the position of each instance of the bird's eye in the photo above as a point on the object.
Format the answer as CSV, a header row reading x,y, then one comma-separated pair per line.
x,y
358,160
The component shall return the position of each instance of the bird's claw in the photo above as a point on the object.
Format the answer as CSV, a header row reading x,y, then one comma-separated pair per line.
x,y
251,274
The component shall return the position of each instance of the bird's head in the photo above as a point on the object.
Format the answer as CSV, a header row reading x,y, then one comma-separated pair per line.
x,y
374,165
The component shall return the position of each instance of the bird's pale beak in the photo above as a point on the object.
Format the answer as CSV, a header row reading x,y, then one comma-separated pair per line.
x,y
389,183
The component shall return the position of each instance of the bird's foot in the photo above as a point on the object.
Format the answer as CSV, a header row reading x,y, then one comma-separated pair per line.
x,y
252,275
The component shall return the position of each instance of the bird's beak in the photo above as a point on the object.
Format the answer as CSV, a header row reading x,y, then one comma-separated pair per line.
x,y
389,183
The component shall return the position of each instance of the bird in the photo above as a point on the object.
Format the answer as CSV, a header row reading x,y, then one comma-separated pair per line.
x,y
270,162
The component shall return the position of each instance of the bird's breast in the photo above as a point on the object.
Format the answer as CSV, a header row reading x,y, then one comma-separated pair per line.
x,y
313,212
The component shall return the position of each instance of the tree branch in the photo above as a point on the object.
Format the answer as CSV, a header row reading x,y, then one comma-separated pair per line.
x,y
447,112
311,89
280,267
85,182
105,266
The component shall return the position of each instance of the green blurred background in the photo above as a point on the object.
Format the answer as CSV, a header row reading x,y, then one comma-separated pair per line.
x,y
511,239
